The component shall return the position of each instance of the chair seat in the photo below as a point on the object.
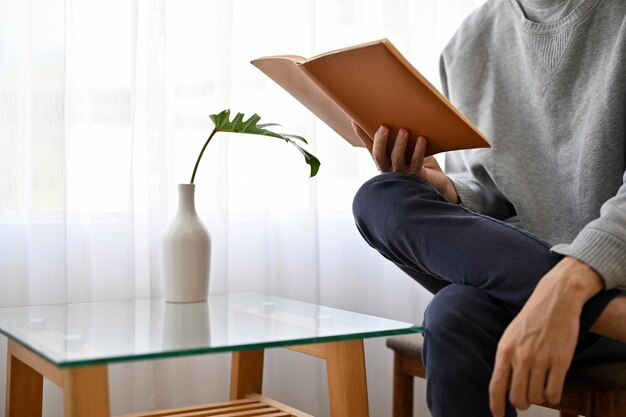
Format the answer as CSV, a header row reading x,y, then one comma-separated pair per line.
x,y
605,377
407,344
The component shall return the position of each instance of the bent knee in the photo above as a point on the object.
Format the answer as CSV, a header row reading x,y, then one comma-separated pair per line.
x,y
381,198
458,307
462,312
450,309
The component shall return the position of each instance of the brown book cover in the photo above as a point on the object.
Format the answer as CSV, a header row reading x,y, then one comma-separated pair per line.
x,y
373,84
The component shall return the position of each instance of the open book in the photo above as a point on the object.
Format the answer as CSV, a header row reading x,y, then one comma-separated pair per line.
x,y
373,84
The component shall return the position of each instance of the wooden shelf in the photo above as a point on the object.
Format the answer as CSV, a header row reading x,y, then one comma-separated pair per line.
x,y
254,405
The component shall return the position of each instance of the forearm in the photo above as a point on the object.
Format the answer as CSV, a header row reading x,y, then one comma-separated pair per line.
x,y
611,322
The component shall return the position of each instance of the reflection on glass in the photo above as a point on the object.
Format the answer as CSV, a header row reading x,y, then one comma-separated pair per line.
x,y
102,332
185,325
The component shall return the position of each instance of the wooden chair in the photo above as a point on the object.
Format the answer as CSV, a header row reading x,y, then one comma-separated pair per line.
x,y
595,391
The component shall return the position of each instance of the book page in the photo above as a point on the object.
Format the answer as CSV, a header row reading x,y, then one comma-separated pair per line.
x,y
375,86
286,72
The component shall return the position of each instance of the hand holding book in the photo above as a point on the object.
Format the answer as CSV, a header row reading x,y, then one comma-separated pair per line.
x,y
373,84
425,168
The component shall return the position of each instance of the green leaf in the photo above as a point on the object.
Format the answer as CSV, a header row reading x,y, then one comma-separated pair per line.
x,y
297,138
309,158
251,126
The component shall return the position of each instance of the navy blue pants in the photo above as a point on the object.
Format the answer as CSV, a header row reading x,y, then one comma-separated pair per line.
x,y
481,271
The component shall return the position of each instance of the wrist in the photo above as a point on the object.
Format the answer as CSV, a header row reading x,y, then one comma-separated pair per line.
x,y
577,281
451,193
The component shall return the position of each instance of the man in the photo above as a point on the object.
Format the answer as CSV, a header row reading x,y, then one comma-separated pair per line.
x,y
523,244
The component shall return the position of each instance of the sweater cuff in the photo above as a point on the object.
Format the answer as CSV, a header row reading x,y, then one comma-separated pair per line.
x,y
467,196
602,251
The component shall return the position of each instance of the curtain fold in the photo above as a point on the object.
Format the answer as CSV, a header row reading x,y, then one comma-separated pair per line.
x,y
103,109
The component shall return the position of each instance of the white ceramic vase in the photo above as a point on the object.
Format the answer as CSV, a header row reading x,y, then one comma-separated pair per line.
x,y
186,252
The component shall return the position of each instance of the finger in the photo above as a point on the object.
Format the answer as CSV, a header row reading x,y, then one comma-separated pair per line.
x,y
518,394
363,137
417,159
554,385
537,385
398,158
498,385
379,149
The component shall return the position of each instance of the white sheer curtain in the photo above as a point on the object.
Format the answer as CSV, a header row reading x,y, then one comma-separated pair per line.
x,y
103,109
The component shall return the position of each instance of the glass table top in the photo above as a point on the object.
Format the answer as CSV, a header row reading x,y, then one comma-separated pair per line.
x,y
104,332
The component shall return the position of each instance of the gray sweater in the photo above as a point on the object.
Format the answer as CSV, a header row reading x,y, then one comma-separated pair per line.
x,y
551,97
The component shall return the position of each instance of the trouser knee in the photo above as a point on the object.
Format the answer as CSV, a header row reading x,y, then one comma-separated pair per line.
x,y
381,204
461,313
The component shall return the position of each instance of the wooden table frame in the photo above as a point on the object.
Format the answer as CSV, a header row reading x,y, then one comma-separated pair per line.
x,y
86,388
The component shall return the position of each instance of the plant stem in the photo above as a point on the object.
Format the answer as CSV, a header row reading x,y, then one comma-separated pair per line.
x,y
193,176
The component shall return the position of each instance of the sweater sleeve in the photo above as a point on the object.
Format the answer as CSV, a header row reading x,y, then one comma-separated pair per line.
x,y
476,192
602,243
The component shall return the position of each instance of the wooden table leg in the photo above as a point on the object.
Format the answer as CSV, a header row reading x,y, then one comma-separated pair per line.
x,y
24,391
86,391
347,382
246,373
85,388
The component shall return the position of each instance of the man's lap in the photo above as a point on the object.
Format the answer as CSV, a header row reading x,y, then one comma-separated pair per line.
x,y
438,243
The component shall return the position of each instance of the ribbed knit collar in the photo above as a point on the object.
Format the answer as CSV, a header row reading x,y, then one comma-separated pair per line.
x,y
578,14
